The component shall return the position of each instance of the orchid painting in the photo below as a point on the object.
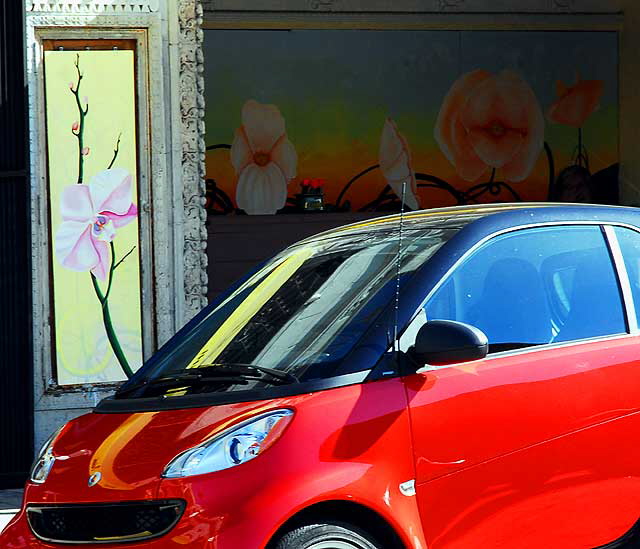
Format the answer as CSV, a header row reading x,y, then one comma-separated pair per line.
x,y
491,121
484,116
574,105
490,127
264,159
395,163
487,122
92,214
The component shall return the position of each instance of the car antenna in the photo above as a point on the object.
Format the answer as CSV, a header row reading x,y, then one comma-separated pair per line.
x,y
396,345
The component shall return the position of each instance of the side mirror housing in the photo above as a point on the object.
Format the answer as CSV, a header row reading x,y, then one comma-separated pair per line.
x,y
442,342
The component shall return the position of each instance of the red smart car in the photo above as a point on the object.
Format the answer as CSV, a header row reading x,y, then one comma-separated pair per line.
x,y
463,378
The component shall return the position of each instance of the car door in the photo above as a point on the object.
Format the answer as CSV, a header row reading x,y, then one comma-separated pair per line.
x,y
537,444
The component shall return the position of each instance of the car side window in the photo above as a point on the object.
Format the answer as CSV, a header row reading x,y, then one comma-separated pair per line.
x,y
629,241
535,286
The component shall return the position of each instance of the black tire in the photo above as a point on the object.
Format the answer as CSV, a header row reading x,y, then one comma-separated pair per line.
x,y
329,535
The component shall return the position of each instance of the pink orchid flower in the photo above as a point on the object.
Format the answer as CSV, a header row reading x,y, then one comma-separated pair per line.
x,y
264,159
90,216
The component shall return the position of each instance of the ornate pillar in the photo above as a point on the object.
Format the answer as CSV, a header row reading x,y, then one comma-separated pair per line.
x,y
193,153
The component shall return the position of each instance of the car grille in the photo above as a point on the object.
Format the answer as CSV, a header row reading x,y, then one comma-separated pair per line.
x,y
104,522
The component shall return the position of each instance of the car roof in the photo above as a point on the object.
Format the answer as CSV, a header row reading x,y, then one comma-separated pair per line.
x,y
489,218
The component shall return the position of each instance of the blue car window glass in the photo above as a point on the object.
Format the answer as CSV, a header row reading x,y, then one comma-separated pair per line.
x,y
533,287
629,241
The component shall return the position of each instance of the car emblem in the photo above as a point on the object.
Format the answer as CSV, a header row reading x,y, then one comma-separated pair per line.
x,y
94,478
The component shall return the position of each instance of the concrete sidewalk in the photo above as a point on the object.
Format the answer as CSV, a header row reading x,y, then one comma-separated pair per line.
x,y
10,501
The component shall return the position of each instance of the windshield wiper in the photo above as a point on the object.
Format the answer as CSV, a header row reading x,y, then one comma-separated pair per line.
x,y
207,374
242,368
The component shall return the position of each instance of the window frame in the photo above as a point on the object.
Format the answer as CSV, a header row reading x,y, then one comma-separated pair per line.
x,y
623,275
617,262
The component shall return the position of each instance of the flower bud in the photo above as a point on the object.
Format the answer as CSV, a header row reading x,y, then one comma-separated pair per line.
x,y
85,151
75,126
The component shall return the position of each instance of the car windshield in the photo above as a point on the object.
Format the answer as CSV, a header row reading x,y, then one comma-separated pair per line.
x,y
299,315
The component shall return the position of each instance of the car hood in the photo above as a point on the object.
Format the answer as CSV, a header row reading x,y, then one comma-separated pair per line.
x,y
130,451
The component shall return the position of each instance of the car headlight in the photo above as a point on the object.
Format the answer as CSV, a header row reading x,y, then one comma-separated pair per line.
x,y
238,444
44,460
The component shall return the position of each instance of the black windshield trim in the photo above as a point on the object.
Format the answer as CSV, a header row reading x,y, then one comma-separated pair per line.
x,y
157,404
212,373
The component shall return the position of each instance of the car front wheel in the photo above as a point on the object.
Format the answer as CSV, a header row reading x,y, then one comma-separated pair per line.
x,y
334,535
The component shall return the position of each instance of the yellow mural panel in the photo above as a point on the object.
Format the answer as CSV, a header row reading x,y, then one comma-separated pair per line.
x,y
92,166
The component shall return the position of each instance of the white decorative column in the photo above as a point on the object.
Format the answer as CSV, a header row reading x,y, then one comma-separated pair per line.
x,y
193,155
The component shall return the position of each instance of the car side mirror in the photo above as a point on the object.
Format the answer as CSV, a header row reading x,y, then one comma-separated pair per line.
x,y
442,342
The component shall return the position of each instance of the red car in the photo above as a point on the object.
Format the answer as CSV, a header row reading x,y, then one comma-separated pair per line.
x,y
460,378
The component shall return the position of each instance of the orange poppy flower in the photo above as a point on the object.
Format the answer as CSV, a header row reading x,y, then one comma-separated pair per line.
x,y
491,121
576,103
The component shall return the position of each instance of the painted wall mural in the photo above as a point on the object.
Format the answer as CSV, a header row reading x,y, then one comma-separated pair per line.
x,y
90,111
337,120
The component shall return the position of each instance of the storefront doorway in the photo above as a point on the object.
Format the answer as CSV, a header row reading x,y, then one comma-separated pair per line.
x,y
16,371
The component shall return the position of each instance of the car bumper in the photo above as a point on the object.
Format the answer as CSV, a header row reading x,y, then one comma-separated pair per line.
x,y
189,532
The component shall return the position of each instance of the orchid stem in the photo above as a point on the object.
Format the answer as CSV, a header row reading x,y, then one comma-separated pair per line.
x,y
115,152
124,257
111,269
106,315
83,114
